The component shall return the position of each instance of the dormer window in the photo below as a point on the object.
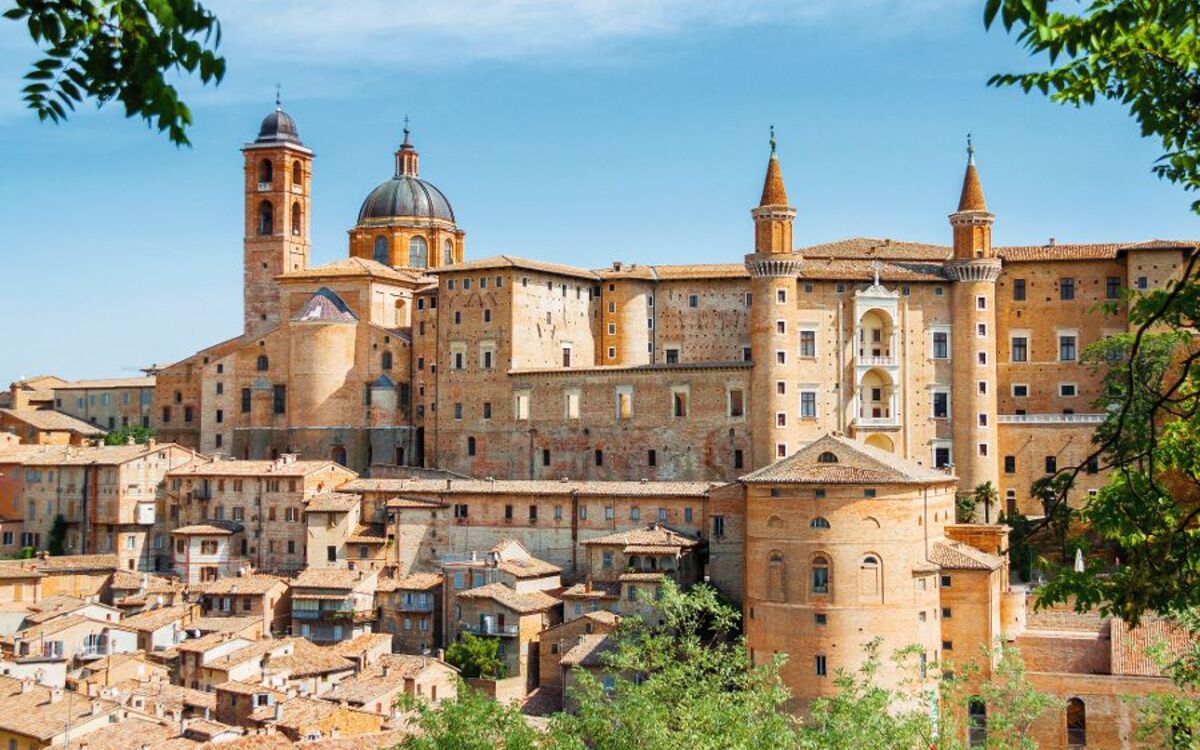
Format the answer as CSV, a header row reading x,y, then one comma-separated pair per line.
x,y
827,458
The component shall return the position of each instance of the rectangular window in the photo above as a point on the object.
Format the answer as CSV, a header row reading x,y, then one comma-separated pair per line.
x,y
1066,389
458,410
1051,464
781,296
947,613
718,526
981,302
941,345
808,344
1112,287
1066,348
279,400
1010,464
808,404
1066,288
1020,349
672,356
820,665
599,457
981,330
545,456
941,404
983,449
521,405
624,396
693,300
1143,282
1020,390
738,458
737,402
781,327
679,401
487,409
1018,289
652,457
571,404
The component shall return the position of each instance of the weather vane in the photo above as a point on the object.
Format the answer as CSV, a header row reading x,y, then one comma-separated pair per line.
x,y
772,139
970,148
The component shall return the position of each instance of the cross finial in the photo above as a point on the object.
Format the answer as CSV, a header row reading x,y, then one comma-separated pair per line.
x,y
876,268
279,96
970,150
772,140
407,131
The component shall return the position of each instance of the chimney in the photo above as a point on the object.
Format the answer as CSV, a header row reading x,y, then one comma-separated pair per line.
x,y
278,712
387,669
1051,243
448,485
56,694
96,706
151,443
130,441
441,654
617,265
26,685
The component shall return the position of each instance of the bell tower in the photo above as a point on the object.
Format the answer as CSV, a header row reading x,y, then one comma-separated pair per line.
x,y
774,267
974,270
278,189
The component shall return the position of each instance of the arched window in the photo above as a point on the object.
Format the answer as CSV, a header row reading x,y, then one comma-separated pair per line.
x,y
448,253
265,172
820,575
266,218
819,523
1076,723
296,218
387,361
263,363
976,723
297,174
827,458
776,588
1010,501
381,251
418,252
775,522
870,587
339,455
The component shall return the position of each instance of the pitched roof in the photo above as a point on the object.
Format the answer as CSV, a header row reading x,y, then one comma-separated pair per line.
x,y
202,529
593,590
971,198
364,642
352,267
247,467
53,421
256,583
856,463
1086,251
410,582
117,736
328,578
874,248
959,556
153,619
583,488
528,568
325,306
170,697
35,713
652,535
510,261
146,381
332,502
522,603
16,569
108,455
372,533
77,563
309,659
128,580
1133,649
383,676
590,651
217,625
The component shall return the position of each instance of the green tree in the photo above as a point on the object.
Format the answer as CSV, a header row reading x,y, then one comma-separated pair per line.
x,y
56,541
121,436
1012,704
476,657
985,494
1143,55
687,682
964,508
864,714
122,50
1171,719
472,721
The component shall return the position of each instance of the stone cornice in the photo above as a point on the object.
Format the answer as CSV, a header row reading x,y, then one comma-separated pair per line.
x,y
973,269
774,265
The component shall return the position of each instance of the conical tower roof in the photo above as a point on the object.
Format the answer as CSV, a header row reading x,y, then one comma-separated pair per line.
x,y
972,190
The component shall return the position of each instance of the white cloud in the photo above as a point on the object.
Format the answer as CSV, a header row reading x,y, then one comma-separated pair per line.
x,y
441,32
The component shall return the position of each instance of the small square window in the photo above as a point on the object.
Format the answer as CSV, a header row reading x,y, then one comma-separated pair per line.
x,y
821,618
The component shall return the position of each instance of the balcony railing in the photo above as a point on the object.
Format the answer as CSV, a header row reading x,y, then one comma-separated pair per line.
x,y
877,361
488,628
334,615
1050,418
876,422
426,606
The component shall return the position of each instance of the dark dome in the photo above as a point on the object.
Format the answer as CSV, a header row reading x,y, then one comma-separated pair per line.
x,y
278,127
406,196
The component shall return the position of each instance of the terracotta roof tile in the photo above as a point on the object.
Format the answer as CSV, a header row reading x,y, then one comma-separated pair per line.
x,y
594,590
522,603
307,660
773,193
509,261
332,502
652,535
590,651
202,529
153,619
383,676
329,578
530,568
872,248
240,467
77,563
53,421
857,463
36,714
411,582
117,736
142,382
959,556
350,267
1133,650
257,583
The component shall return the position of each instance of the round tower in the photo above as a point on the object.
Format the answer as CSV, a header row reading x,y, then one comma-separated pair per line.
x,y
774,267
974,270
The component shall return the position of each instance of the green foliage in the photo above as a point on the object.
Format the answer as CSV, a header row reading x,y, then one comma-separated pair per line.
x,y
1021,552
140,435
472,721
985,494
1143,55
105,50
1013,704
476,657
56,542
685,683
863,714
964,508
1171,719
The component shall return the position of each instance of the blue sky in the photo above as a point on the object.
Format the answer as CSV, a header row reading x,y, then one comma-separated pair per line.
x,y
580,131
